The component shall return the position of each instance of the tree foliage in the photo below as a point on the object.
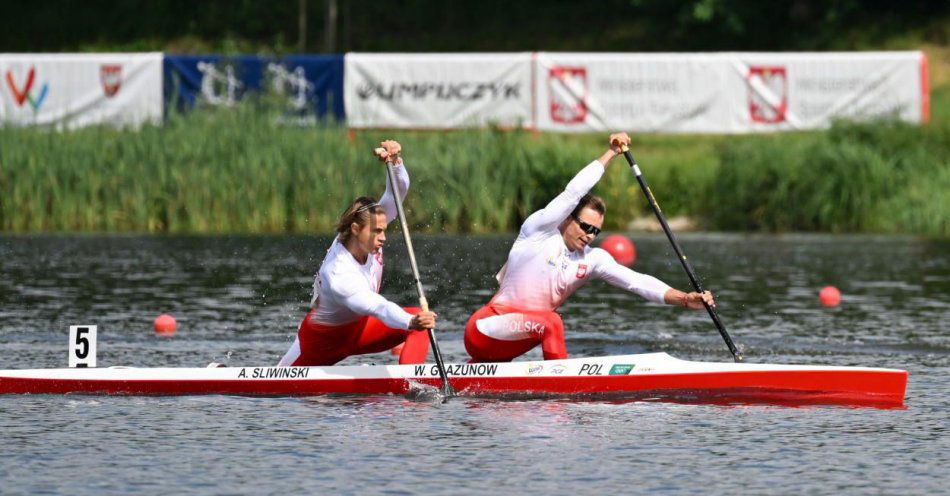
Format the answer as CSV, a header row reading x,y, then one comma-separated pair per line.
x,y
484,25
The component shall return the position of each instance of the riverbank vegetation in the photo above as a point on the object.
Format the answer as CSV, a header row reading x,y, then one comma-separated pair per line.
x,y
236,170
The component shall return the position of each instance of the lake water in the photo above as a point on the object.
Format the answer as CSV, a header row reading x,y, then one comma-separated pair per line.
x,y
238,301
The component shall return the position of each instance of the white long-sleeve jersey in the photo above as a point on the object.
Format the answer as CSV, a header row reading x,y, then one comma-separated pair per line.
x,y
541,273
345,290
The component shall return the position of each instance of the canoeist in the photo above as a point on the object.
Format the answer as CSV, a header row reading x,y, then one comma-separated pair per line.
x,y
550,259
347,314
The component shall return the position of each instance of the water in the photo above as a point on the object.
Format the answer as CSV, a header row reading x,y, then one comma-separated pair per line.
x,y
238,300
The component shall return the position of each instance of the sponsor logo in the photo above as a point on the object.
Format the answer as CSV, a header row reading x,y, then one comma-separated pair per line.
x,y
535,369
621,369
274,373
110,75
219,86
24,94
591,369
829,85
558,260
581,271
768,94
292,85
440,91
648,86
567,90
558,369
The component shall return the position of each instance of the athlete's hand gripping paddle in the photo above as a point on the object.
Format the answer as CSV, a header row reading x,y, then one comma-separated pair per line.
x,y
676,247
447,390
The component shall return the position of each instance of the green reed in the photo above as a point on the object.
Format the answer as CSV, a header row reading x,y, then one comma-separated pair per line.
x,y
236,170
883,176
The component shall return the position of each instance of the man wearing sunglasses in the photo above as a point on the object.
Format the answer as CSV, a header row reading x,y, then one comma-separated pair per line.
x,y
550,259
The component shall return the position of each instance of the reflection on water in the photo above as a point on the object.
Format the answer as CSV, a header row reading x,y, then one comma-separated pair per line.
x,y
238,301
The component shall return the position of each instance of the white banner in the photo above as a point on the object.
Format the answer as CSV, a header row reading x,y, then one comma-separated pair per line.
x,y
585,92
791,91
725,92
73,90
448,90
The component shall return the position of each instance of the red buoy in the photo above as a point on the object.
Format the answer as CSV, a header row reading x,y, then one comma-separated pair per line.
x,y
396,350
621,248
829,296
165,325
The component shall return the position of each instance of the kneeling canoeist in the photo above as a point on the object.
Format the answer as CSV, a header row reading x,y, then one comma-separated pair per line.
x,y
347,314
550,259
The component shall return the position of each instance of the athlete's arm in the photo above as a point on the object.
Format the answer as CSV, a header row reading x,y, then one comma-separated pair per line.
x,y
388,152
363,301
607,269
649,287
563,204
693,301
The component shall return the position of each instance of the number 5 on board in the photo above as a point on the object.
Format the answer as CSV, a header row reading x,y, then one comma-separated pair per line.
x,y
82,346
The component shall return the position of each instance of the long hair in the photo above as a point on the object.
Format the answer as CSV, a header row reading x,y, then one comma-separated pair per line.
x,y
360,211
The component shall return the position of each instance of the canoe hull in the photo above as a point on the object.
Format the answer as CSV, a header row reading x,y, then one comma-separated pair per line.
x,y
650,376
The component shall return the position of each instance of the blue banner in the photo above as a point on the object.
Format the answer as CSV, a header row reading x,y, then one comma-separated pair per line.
x,y
311,85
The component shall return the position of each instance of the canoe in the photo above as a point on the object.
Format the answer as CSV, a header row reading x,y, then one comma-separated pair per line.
x,y
651,376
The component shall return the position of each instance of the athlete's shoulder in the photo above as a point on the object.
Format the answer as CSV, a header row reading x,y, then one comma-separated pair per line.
x,y
533,229
337,262
597,255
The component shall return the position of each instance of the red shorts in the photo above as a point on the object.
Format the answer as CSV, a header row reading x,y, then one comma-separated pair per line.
x,y
326,345
497,333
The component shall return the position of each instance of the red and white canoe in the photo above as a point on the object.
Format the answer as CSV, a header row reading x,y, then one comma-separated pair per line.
x,y
652,376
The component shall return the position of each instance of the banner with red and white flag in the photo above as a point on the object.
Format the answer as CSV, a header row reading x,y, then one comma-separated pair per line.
x,y
73,90
583,92
725,92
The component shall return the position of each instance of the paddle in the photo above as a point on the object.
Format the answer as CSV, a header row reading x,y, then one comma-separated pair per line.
x,y
447,390
679,252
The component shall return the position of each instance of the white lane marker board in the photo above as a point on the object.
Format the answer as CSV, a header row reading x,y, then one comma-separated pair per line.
x,y
82,346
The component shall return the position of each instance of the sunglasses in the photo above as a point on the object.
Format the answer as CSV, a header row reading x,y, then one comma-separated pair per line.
x,y
587,228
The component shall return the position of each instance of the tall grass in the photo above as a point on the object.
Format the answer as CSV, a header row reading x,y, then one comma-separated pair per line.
x,y
884,176
235,170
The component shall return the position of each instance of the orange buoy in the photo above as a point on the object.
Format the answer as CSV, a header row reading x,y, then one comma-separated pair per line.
x,y
165,325
829,296
621,248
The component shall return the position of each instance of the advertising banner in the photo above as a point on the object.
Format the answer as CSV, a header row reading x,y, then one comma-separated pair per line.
x,y
443,90
725,92
73,90
310,85
791,91
583,92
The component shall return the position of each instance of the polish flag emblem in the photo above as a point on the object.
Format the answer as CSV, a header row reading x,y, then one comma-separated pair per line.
x,y
567,89
768,94
581,271
110,75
